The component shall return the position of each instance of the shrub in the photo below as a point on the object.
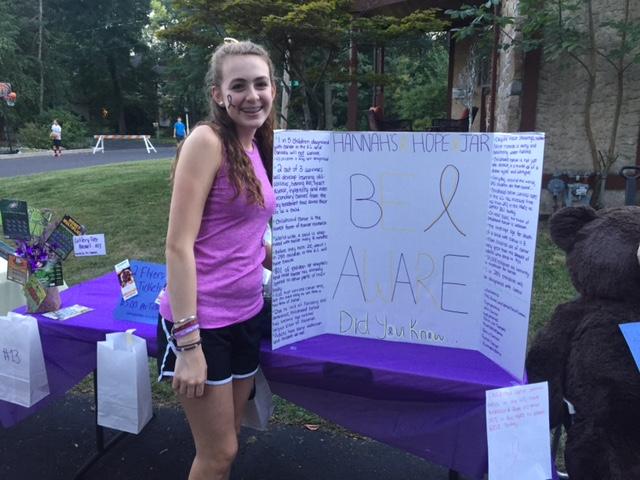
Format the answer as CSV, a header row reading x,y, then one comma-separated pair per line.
x,y
34,135
74,130
421,124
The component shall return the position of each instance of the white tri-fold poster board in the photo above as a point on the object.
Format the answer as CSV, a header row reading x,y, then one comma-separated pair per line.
x,y
418,237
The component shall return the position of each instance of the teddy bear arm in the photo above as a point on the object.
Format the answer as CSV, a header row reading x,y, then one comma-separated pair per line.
x,y
547,357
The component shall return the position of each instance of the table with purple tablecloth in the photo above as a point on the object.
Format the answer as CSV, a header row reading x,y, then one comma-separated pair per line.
x,y
69,347
429,401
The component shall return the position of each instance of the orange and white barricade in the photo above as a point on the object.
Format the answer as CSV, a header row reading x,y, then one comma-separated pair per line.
x,y
101,138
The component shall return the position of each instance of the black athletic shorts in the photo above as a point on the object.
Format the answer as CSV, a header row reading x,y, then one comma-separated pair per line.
x,y
231,352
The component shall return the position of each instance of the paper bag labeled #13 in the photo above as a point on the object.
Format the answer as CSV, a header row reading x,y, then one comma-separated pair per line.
x,y
124,387
23,377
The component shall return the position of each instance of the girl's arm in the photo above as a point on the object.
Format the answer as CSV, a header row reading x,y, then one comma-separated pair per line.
x,y
200,159
267,262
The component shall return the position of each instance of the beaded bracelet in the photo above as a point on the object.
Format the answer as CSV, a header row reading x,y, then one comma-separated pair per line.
x,y
189,346
184,332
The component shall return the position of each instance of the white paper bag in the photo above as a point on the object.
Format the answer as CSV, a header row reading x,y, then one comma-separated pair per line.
x,y
23,377
124,387
258,410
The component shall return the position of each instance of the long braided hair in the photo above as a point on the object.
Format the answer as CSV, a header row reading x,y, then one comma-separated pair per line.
x,y
241,173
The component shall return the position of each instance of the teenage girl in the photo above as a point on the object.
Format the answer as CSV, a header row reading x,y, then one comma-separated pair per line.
x,y
221,202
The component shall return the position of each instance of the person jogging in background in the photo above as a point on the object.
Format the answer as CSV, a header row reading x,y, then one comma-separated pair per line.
x,y
179,130
56,138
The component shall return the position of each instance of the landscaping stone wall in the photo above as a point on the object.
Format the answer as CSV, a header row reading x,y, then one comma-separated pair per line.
x,y
561,103
561,96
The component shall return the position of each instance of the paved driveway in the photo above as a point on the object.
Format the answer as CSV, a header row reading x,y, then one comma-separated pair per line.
x,y
54,443
30,163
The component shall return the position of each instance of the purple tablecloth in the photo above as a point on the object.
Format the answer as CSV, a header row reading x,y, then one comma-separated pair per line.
x,y
429,401
69,347
422,399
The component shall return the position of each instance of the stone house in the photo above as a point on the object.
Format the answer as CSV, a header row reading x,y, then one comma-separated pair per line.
x,y
526,92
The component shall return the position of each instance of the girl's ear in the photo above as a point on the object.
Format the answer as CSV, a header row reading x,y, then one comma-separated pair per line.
x,y
216,94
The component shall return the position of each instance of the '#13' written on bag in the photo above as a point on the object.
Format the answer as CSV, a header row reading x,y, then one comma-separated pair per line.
x,y
23,376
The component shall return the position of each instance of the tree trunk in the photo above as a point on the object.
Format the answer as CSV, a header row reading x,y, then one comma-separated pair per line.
x,y
611,151
328,108
588,100
284,106
117,95
352,95
298,72
41,98
601,177
296,69
306,109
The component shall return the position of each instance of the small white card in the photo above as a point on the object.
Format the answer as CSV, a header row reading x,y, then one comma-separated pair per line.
x,y
89,245
518,432
67,312
159,297
127,282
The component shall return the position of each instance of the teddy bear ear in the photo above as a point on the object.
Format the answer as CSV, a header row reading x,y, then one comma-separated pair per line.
x,y
566,223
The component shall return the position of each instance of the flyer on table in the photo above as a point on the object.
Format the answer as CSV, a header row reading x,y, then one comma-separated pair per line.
x,y
126,279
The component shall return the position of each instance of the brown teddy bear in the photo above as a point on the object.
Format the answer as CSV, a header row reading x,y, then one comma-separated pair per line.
x,y
581,351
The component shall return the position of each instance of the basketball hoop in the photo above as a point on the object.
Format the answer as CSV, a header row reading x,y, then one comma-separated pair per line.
x,y
5,89
10,99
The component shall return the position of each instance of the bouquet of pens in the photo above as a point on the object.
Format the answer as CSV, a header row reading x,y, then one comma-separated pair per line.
x,y
37,242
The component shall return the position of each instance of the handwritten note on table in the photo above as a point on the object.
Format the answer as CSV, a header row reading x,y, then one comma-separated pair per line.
x,y
631,332
518,432
89,245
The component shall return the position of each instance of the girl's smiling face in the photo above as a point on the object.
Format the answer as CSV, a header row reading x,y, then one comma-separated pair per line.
x,y
246,91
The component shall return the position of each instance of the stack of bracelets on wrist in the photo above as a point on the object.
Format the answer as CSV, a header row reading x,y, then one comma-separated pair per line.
x,y
188,346
182,328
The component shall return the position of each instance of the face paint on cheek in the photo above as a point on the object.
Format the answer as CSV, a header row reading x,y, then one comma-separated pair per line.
x,y
230,102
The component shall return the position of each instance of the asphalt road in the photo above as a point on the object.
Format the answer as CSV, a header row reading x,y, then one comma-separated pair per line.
x,y
54,443
31,163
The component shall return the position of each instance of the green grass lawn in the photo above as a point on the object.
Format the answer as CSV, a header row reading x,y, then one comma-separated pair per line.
x,y
551,282
129,203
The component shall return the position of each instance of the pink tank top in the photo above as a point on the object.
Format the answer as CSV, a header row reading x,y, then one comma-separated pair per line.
x,y
229,251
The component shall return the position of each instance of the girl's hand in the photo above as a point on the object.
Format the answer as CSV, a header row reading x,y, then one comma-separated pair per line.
x,y
190,373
